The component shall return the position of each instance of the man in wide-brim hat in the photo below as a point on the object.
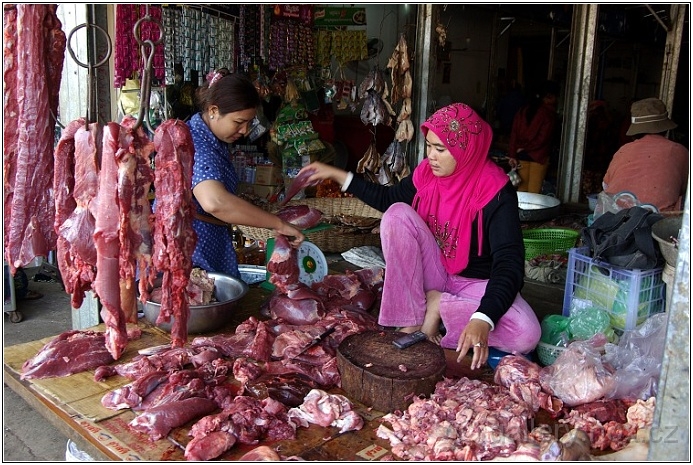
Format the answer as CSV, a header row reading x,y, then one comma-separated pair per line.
x,y
653,168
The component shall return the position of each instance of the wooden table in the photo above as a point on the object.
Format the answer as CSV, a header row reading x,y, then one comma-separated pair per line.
x,y
73,405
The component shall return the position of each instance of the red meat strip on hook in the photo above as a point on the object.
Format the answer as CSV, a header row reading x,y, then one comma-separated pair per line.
x,y
32,80
135,177
107,243
174,237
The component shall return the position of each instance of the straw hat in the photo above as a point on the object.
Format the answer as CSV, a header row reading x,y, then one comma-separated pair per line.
x,y
649,116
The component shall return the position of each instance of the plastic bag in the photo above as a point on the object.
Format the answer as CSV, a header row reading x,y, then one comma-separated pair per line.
x,y
586,323
554,330
637,359
578,375
598,288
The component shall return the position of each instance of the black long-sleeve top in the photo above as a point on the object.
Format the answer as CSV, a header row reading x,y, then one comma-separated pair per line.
x,y
502,258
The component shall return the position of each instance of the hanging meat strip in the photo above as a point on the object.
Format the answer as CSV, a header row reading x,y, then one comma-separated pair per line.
x,y
31,87
10,110
135,177
76,186
107,242
174,237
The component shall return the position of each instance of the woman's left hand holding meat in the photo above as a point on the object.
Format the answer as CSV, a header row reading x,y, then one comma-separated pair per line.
x,y
474,336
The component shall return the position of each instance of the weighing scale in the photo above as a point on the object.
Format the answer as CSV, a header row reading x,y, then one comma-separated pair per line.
x,y
312,264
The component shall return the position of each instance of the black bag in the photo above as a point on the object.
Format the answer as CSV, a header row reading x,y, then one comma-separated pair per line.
x,y
625,239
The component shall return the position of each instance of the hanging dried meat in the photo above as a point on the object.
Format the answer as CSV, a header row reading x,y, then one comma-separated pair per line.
x,y
399,71
393,165
32,32
174,237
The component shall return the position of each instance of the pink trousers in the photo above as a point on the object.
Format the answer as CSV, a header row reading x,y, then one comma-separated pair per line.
x,y
413,267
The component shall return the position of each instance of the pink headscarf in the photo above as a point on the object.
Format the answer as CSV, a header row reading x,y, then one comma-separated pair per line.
x,y
449,204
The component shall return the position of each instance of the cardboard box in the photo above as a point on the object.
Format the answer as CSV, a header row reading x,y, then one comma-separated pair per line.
x,y
267,175
265,192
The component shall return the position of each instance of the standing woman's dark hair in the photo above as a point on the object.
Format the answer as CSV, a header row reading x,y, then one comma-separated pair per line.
x,y
230,92
537,98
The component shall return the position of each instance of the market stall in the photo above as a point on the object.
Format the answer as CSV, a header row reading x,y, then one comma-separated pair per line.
x,y
120,246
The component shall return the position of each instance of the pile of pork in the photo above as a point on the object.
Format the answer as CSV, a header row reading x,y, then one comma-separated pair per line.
x,y
473,420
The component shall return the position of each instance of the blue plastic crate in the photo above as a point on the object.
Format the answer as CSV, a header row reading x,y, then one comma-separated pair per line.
x,y
629,296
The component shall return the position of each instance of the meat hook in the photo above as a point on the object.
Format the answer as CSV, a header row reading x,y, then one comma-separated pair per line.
x,y
146,84
90,65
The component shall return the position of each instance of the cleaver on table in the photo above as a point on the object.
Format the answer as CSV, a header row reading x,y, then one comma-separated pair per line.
x,y
317,340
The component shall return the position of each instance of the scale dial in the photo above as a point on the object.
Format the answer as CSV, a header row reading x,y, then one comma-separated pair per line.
x,y
312,264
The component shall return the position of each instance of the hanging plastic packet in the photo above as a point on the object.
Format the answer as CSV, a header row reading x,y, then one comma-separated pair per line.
x,y
515,177
258,127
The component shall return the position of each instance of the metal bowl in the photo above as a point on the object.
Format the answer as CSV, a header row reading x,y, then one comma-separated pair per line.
x,y
204,318
537,207
252,274
662,232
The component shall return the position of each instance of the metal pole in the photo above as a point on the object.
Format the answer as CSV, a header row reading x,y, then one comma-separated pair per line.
x,y
672,52
423,72
577,96
670,436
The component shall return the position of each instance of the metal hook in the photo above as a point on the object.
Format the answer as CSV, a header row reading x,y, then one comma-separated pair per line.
x,y
91,77
146,84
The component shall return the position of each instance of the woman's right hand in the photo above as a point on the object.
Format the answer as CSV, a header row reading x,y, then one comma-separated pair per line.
x,y
322,171
292,233
513,163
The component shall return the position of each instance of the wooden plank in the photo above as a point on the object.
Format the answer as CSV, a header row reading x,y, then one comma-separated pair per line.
x,y
61,420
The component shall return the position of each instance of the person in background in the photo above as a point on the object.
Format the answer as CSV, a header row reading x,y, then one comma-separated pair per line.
x,y
652,167
452,242
532,138
227,106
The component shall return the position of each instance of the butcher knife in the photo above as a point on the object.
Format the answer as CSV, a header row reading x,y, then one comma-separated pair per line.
x,y
317,340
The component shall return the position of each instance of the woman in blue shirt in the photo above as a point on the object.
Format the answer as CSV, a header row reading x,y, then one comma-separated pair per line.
x,y
227,105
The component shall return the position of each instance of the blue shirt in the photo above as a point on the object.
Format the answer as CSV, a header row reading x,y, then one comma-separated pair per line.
x,y
214,250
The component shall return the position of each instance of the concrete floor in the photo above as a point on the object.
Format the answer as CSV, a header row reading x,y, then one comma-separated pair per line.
x,y
27,435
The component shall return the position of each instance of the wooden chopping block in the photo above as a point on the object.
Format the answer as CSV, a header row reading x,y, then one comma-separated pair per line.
x,y
379,375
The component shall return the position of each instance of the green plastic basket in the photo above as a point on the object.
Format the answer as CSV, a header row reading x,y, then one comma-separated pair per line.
x,y
546,241
548,353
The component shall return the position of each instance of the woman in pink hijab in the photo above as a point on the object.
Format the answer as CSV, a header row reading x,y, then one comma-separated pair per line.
x,y
452,242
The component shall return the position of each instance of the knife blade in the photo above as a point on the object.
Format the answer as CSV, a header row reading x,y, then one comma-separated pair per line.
x,y
317,339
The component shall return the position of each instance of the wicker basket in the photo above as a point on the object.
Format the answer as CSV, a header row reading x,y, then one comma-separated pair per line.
x,y
545,241
329,238
548,353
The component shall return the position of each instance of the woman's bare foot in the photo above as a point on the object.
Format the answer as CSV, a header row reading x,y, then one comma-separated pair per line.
x,y
431,324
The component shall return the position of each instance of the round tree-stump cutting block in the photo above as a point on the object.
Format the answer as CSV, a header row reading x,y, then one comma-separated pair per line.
x,y
379,375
